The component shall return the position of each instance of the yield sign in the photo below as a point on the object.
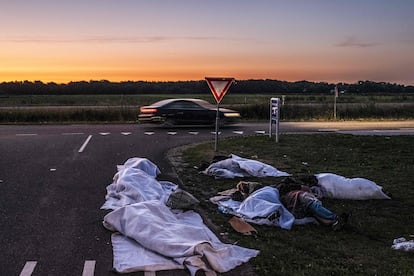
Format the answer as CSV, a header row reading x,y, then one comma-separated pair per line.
x,y
219,86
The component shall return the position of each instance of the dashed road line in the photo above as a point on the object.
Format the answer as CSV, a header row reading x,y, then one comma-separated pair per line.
x,y
238,132
26,134
73,133
193,132
82,148
89,268
149,133
260,132
171,133
28,268
104,133
126,133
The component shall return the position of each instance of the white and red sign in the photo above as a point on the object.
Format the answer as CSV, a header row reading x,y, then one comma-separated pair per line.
x,y
219,86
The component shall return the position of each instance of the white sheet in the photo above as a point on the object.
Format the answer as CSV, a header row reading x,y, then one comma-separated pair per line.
x,y
182,238
340,187
130,256
257,208
140,163
134,185
135,182
236,166
153,238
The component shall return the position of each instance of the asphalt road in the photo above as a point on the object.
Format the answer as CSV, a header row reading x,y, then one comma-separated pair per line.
x,y
53,180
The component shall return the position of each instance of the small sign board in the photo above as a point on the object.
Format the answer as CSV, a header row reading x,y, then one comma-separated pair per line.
x,y
274,116
219,86
274,109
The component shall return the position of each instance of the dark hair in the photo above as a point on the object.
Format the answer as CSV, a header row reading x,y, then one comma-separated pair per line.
x,y
309,179
285,188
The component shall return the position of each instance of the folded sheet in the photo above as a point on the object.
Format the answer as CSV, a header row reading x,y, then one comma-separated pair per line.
x,y
181,238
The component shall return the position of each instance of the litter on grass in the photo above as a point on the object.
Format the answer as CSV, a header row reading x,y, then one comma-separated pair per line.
x,y
403,244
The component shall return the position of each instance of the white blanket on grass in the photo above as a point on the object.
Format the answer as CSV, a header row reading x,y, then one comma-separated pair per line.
x,y
236,166
135,182
340,187
181,239
152,237
263,207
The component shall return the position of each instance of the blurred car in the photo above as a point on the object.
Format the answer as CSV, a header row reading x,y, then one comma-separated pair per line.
x,y
185,112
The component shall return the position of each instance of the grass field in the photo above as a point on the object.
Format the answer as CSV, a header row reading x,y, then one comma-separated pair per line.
x,y
229,99
364,246
124,108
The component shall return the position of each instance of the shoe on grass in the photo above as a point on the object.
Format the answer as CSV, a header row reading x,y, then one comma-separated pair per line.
x,y
340,222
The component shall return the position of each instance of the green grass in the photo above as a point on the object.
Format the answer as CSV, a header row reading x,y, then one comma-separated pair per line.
x,y
124,108
229,99
363,247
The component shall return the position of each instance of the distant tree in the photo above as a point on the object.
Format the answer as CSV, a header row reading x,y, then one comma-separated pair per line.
x,y
251,86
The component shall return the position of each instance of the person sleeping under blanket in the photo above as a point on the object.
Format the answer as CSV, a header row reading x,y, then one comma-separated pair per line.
x,y
302,202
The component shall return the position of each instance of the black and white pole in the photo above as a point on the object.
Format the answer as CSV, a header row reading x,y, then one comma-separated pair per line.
x,y
274,117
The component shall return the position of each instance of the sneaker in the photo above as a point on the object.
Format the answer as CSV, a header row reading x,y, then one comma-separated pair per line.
x,y
340,222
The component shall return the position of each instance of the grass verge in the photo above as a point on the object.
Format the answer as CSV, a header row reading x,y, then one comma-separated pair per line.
x,y
364,246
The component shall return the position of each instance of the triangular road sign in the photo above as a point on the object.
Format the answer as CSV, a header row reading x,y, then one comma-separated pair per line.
x,y
219,86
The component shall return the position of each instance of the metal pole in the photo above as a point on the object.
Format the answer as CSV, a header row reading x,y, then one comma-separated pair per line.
x,y
270,119
217,119
335,96
277,122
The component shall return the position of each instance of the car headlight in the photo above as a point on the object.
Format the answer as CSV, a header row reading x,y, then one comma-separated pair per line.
x,y
232,115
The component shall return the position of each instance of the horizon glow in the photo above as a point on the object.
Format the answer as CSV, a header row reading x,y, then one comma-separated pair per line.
x,y
135,40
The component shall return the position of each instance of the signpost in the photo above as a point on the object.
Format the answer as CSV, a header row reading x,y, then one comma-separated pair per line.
x,y
219,87
274,117
335,96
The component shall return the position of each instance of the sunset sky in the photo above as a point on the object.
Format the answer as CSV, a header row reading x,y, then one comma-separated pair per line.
x,y
169,40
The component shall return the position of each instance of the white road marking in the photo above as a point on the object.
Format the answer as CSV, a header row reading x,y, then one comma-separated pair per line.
x,y
171,133
328,129
260,131
238,132
26,134
193,132
125,133
213,132
82,148
104,133
28,268
52,169
73,133
149,133
89,268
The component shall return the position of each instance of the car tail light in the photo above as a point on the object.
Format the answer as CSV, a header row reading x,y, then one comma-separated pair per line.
x,y
147,110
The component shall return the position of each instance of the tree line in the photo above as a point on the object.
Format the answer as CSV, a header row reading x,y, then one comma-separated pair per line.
x,y
266,86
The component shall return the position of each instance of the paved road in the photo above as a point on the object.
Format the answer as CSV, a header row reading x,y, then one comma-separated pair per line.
x,y
53,179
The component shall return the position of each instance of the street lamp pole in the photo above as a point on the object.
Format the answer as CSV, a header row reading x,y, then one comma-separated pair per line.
x,y
335,96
